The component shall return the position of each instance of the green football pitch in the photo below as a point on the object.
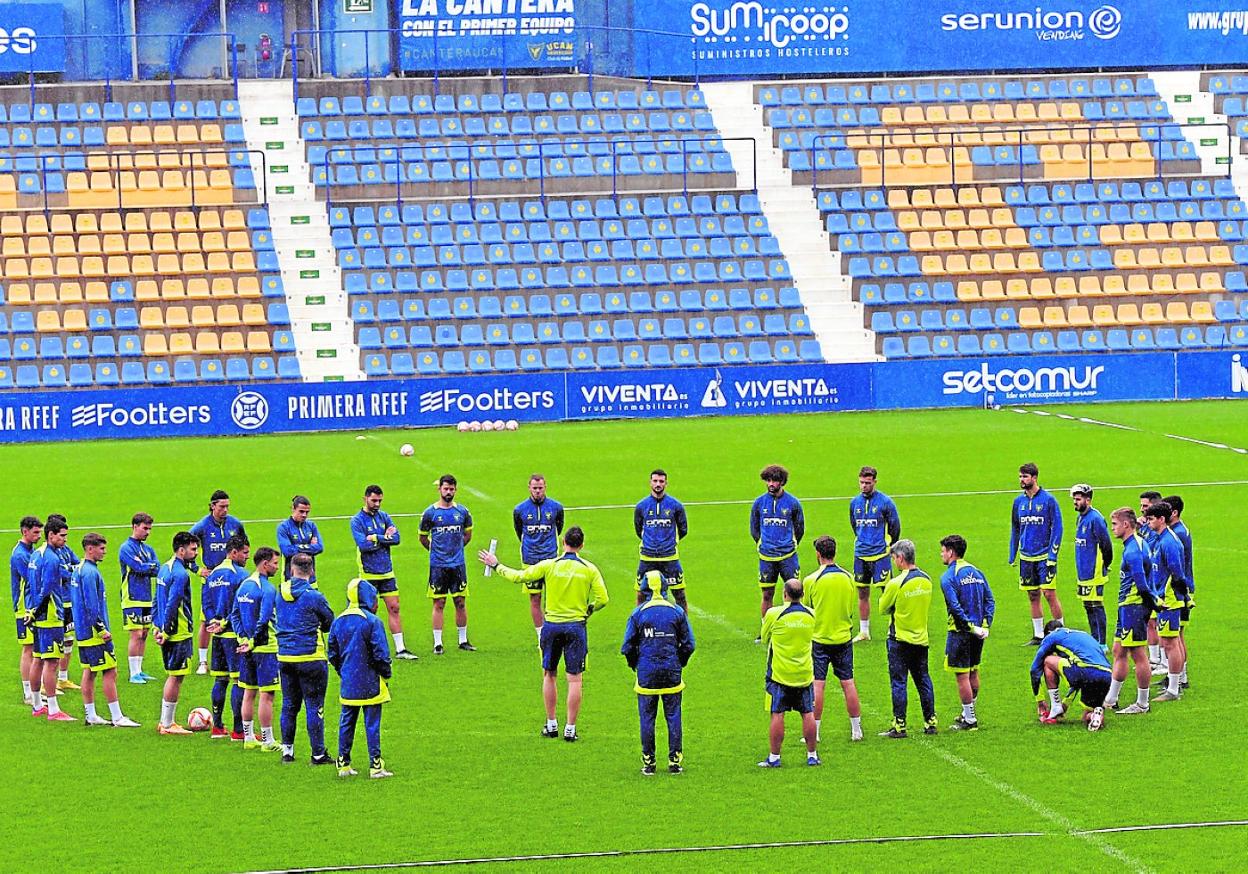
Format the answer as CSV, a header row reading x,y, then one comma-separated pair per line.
x,y
475,780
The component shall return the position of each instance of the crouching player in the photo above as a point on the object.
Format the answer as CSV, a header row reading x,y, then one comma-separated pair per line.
x,y
360,654
95,635
1079,658
657,645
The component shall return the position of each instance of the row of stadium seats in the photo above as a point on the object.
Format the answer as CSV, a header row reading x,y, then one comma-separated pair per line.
x,y
390,309
1034,238
521,169
461,150
133,373
54,347
1052,261
536,278
137,243
164,135
970,114
136,110
886,321
588,358
1022,343
564,124
805,138
148,318
954,92
137,265
1045,288
520,333
124,291
554,253
155,221
512,102
740,228
485,211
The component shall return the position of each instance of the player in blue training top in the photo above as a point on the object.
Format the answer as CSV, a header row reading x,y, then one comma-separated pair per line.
x,y
777,526
969,602
214,532
19,581
1035,538
253,618
172,618
302,617
95,635
1136,602
657,645
359,652
876,525
45,614
1094,555
1147,499
69,562
660,523
375,534
139,565
1185,612
1079,659
298,535
445,529
1170,585
538,521
219,593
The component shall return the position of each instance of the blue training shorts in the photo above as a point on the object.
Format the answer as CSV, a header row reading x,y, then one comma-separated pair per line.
x,y
258,670
223,657
24,635
773,571
1034,575
1132,627
1093,684
797,698
963,652
837,656
136,618
671,570
49,641
448,582
566,640
97,657
871,572
1169,622
176,655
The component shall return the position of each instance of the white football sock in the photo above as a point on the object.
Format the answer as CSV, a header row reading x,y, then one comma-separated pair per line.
x,y
569,729
968,712
249,730
203,655
136,665
90,709
437,637
53,706
463,633
288,750
1172,684
539,634
114,710
1037,626
168,711
266,734
1141,696
855,723
1154,653
36,699
398,641
864,626
62,675
26,689
552,724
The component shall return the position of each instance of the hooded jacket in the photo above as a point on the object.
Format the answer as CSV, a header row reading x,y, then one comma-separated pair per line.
x,y
657,641
302,613
358,648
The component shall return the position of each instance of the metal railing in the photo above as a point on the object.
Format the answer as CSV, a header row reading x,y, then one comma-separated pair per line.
x,y
473,178
1015,138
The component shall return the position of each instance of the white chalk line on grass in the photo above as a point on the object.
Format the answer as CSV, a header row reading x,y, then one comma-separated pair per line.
x,y
722,621
588,508
830,842
1040,809
1210,444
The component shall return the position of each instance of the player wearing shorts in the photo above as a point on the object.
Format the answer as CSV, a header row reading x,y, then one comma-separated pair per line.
x,y
876,525
538,521
69,561
1136,601
375,535
1035,538
788,633
19,573
660,524
139,565
906,600
969,602
219,592
1079,659
255,604
445,529
214,532
1094,555
45,614
1147,499
830,593
1185,612
1170,584
172,621
574,591
95,635
777,526
299,535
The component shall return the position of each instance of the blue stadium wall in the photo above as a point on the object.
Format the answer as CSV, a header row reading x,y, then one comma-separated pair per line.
x,y
543,397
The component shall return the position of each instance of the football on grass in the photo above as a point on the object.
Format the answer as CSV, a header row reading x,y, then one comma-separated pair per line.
x,y
199,719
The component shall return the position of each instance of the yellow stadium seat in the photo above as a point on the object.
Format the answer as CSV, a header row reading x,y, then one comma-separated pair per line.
x,y
258,341
162,135
921,198
227,315
254,315
140,135
1065,287
202,316
155,344
47,321
1041,287
1003,262
991,289
1192,256
968,290
932,265
243,262
1029,262
188,241
177,317
248,286
1017,289
187,134
97,292
210,133
43,268
45,293
163,243
151,318
1079,317
197,289
146,289
933,219
1029,317
990,238
980,262
921,241
207,343
1090,286
1206,231
1163,283
1128,314
170,264
1220,256
1186,283
116,135
231,219
70,293
1103,316
1153,314
181,344
232,341
898,198
1176,313
1202,312
1054,317
1211,281
1181,232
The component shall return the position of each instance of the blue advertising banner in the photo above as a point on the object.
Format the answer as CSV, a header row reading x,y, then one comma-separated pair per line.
x,y
1035,379
1213,374
746,37
31,37
724,391
481,34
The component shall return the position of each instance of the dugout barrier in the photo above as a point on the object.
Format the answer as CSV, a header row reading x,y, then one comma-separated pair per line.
x,y
231,410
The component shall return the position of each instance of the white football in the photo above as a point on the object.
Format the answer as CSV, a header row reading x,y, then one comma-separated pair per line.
x,y
462,426
487,425
199,719
500,425
407,450
474,426
512,424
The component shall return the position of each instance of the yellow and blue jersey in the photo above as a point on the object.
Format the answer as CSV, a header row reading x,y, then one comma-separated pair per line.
x,y
1035,528
571,586
906,600
788,631
1168,575
301,616
294,538
1092,542
219,591
968,597
254,607
19,574
660,524
777,526
90,605
1135,573
69,562
369,532
1077,648
833,598
213,538
358,648
445,527
139,565
44,597
538,527
875,523
1185,537
171,608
